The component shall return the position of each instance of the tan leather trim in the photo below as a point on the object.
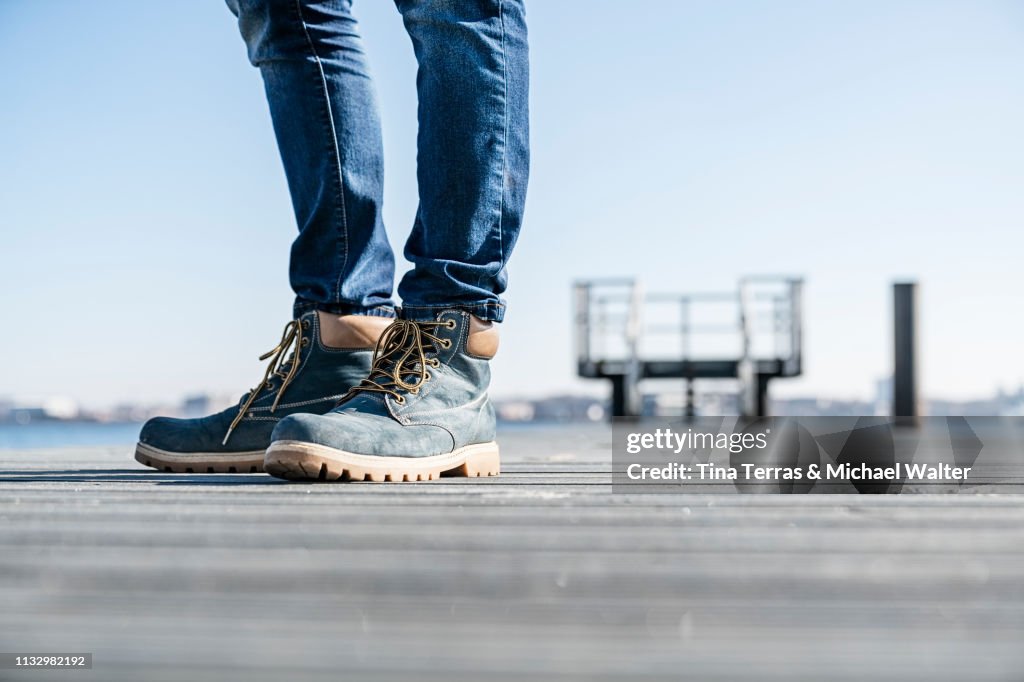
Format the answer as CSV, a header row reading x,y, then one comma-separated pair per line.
x,y
351,331
483,338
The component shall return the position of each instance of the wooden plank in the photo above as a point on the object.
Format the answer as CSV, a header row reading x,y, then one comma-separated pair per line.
x,y
542,573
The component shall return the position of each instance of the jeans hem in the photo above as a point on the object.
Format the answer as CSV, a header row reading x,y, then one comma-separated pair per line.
x,y
488,311
302,307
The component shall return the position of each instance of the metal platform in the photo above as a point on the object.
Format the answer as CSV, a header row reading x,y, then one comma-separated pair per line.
x,y
626,335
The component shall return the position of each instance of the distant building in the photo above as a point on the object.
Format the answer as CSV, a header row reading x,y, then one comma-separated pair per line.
x,y
50,409
202,404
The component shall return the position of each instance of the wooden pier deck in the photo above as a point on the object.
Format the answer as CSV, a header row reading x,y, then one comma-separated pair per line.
x,y
541,574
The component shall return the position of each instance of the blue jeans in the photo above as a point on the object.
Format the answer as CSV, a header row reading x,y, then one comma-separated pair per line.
x,y
473,151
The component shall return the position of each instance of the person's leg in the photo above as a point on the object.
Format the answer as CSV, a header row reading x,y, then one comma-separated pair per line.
x,y
423,409
342,268
473,84
324,110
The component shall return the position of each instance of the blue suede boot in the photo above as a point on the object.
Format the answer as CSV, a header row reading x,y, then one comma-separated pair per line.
x,y
305,374
423,411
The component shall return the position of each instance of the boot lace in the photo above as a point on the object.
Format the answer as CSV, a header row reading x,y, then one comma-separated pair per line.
x,y
283,365
400,359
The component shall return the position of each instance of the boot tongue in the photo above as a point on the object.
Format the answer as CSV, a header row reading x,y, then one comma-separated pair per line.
x,y
413,361
281,369
402,359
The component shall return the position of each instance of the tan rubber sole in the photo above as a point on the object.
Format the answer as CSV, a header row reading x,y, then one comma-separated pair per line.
x,y
298,461
250,462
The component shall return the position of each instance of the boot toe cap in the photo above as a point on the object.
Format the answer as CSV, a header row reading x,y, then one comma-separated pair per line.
x,y
162,432
183,435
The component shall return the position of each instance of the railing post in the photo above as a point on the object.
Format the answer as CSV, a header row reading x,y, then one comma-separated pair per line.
x,y
904,375
746,370
634,330
796,325
582,323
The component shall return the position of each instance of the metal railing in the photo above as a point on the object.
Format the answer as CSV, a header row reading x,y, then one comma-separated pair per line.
x,y
617,321
626,334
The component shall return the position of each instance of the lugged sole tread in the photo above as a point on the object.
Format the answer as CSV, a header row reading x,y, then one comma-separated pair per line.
x,y
296,461
186,463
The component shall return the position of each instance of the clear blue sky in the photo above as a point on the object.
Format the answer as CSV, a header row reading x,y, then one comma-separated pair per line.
x,y
146,223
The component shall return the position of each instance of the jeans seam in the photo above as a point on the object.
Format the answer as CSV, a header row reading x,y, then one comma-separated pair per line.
x,y
455,306
348,309
504,141
485,310
334,148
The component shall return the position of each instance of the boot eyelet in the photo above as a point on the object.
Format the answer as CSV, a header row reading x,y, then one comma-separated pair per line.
x,y
446,343
305,324
450,324
434,362
305,342
426,377
400,399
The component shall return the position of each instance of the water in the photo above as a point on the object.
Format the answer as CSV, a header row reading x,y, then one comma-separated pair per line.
x,y
66,434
